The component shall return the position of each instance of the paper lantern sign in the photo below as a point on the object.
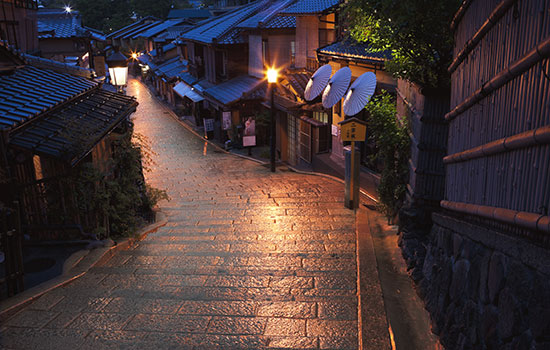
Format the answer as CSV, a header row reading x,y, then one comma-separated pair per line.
x,y
353,129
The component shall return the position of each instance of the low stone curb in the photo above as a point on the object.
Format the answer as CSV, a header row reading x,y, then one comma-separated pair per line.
x,y
76,266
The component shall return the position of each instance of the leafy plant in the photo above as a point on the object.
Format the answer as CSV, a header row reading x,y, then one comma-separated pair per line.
x,y
390,134
416,31
120,198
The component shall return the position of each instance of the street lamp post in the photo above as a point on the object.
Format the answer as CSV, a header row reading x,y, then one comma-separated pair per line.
x,y
118,69
272,80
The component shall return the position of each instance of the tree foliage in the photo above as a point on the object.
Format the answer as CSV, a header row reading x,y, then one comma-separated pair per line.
x,y
390,134
416,31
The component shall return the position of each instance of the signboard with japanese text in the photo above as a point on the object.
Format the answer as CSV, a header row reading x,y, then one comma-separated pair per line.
x,y
334,130
226,120
353,130
249,141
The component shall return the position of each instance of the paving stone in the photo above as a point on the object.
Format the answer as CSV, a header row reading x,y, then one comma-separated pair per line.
x,y
292,343
226,307
337,311
106,321
31,318
331,328
236,325
168,323
248,259
288,309
286,327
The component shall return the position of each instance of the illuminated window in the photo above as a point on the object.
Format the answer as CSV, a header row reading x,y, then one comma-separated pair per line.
x,y
37,168
292,53
321,116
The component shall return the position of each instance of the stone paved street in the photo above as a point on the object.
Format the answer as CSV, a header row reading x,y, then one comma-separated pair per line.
x,y
248,259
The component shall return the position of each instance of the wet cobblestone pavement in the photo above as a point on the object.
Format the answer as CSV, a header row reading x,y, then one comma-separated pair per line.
x,y
248,259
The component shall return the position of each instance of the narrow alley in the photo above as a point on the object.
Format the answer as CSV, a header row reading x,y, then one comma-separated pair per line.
x,y
248,259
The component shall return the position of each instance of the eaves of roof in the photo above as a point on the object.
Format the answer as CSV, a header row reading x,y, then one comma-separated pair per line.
x,y
72,131
135,31
211,30
232,90
131,26
30,91
353,50
310,7
159,28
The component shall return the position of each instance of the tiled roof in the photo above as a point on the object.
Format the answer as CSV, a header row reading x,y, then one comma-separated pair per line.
x,y
189,13
142,24
165,49
305,7
30,91
232,90
59,67
159,28
352,49
96,34
210,30
283,98
281,22
63,25
298,81
172,68
187,78
234,36
72,131
265,15
173,33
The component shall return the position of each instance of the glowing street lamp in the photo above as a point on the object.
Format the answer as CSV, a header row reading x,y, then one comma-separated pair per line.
x,y
118,69
68,9
272,75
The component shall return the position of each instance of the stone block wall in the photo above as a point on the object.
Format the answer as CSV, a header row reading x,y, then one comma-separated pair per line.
x,y
484,289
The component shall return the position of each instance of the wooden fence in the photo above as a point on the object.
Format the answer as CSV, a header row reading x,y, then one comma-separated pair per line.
x,y
498,163
11,260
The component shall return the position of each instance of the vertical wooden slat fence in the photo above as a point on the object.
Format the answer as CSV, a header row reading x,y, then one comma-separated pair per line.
x,y
425,111
499,145
11,247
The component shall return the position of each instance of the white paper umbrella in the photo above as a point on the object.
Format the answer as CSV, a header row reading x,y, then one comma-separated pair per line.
x,y
359,93
337,86
317,83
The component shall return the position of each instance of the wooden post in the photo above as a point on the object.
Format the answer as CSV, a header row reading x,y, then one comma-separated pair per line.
x,y
352,130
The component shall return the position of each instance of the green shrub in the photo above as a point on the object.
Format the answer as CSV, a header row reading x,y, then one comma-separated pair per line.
x,y
120,200
390,134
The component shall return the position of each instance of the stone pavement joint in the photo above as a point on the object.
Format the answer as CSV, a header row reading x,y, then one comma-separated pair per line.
x,y
249,259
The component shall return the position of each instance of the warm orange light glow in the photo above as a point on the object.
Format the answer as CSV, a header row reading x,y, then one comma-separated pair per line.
x,y
272,75
134,55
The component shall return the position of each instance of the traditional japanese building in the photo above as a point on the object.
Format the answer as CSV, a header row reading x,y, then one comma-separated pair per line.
x,y
54,117
62,37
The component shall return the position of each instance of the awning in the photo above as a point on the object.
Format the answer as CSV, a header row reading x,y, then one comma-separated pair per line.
x,y
185,90
72,131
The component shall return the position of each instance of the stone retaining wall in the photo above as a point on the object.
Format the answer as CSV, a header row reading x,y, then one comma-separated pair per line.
x,y
483,289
